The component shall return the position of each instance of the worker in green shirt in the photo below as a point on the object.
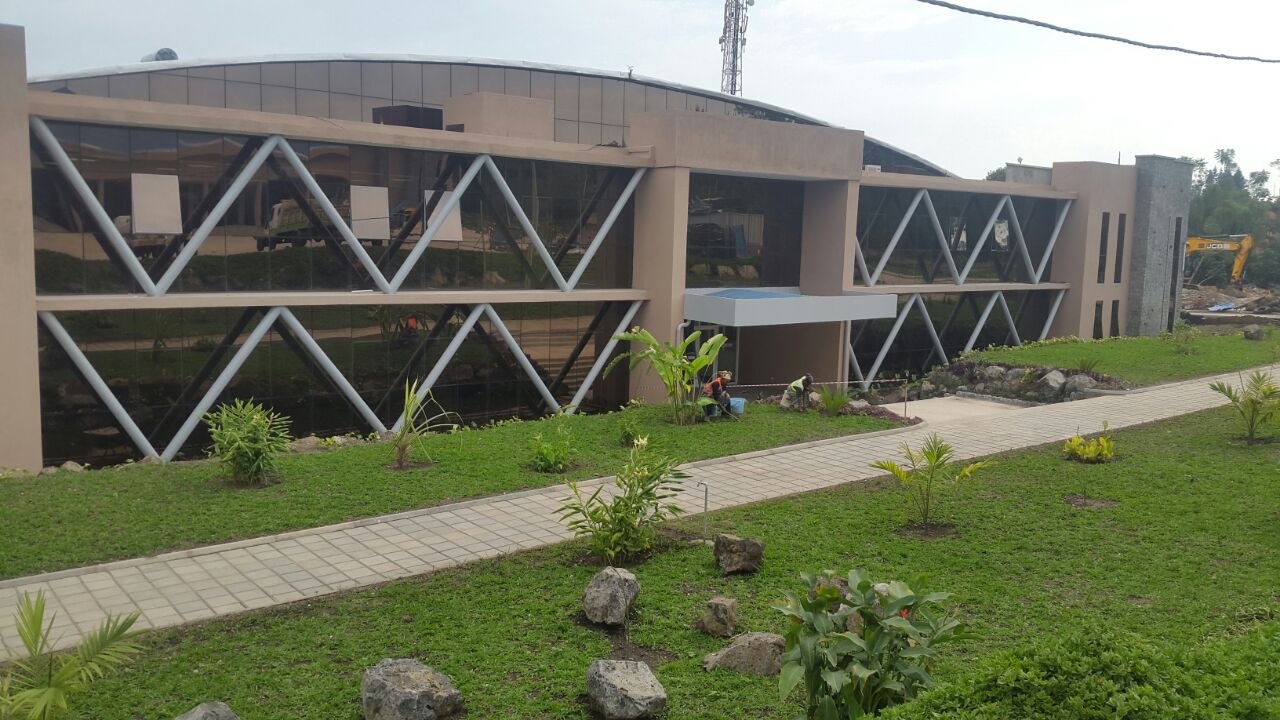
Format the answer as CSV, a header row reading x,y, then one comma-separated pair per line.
x,y
797,393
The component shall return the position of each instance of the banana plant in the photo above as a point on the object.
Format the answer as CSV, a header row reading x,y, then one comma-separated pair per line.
x,y
1256,402
675,366
930,466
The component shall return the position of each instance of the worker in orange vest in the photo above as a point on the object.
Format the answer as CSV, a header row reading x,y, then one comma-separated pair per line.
x,y
717,391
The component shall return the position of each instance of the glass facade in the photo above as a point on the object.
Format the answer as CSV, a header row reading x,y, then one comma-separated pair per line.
x,y
275,236
743,232
954,315
159,363
918,257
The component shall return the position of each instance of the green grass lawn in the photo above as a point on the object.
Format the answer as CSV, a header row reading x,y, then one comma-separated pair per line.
x,y
1190,551
67,520
1147,360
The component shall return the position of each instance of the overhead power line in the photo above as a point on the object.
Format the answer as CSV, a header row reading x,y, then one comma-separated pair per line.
x,y
1096,36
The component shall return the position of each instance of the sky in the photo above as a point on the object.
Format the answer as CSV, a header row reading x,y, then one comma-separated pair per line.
x,y
964,92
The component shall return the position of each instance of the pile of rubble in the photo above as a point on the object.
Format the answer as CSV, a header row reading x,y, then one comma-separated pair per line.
x,y
1221,299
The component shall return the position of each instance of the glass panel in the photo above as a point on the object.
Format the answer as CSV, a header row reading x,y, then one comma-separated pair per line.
x,y
312,75
542,85
168,88
612,113
590,99
743,231
244,96
406,82
464,79
566,131
210,93
344,77
245,73
492,80
517,82
566,97
376,80
131,87
279,100
278,74
435,84
314,103
345,107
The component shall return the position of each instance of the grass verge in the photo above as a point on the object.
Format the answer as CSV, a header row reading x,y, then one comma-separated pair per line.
x,y
73,519
1146,360
1190,551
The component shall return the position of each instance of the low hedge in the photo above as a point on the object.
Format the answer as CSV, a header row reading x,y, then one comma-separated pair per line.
x,y
1100,675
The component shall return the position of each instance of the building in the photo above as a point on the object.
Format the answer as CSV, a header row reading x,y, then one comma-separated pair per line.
x,y
314,231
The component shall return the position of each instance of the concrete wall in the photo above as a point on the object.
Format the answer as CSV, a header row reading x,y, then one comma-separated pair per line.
x,y
1028,174
19,362
502,115
1163,198
742,146
829,237
661,229
782,353
1099,188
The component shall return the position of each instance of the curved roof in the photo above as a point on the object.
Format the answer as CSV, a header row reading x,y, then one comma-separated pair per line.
x,y
161,65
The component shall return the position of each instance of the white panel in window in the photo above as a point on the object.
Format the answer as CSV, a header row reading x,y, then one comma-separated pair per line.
x,y
451,230
370,216
156,210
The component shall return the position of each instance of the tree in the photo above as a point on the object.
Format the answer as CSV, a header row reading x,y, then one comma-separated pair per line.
x,y
1226,203
997,174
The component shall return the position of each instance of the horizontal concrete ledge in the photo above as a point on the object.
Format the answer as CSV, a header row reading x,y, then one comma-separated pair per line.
x,y
72,303
169,116
985,187
933,288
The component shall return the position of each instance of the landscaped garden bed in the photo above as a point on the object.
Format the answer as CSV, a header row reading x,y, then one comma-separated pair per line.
x,y
135,510
1186,556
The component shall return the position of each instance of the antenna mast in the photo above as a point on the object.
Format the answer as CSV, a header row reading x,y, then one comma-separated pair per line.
x,y
733,42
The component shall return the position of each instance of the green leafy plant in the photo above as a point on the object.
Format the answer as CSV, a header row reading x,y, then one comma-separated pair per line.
x,y
860,647
417,422
623,523
927,469
1094,450
1029,376
40,685
552,454
833,398
1256,401
247,437
1087,363
672,363
629,430
1183,338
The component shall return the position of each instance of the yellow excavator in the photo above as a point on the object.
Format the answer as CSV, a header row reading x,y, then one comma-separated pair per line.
x,y
1238,244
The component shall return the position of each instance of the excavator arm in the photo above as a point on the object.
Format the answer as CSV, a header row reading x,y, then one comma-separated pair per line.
x,y
1241,245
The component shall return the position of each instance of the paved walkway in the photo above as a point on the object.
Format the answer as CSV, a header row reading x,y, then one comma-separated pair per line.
x,y
199,584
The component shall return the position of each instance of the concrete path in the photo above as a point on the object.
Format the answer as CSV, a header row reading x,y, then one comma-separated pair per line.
x,y
207,582
943,410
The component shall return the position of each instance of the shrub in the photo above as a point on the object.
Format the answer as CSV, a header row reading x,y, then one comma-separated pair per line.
x,y
554,454
933,465
1029,376
860,649
1100,449
247,437
673,366
416,422
1256,402
1183,338
1087,363
1101,675
624,524
628,430
39,686
833,398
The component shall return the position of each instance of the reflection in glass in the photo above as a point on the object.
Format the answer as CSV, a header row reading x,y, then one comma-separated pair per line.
x,y
743,231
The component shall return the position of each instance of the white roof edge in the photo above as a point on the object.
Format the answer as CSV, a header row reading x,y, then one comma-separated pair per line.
x,y
161,65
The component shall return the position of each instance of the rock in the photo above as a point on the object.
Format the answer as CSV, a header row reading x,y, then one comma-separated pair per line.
x,y
48,470
609,596
738,555
1014,374
980,388
209,711
720,618
927,388
993,372
310,443
71,466
1076,383
855,405
1054,380
1254,332
748,272
624,690
405,689
756,653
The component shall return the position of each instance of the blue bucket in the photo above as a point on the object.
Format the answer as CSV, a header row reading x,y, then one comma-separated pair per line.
x,y
737,405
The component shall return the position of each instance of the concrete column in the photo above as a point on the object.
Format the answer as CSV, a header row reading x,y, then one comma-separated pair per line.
x,y
19,360
1161,205
661,229
827,240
